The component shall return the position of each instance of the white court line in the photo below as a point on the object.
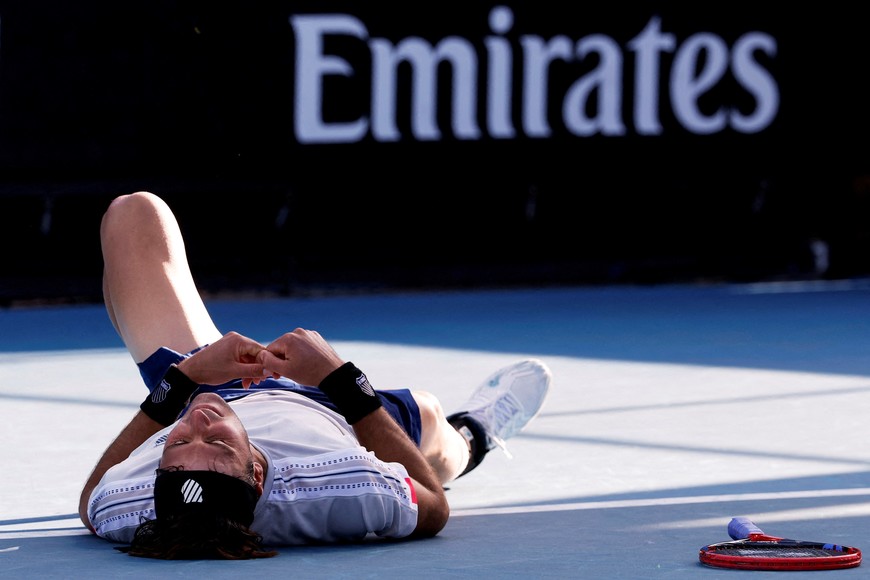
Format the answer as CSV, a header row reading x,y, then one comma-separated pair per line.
x,y
24,534
574,506
823,513
663,501
63,526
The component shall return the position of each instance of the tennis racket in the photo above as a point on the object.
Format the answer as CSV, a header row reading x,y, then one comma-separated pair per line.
x,y
752,549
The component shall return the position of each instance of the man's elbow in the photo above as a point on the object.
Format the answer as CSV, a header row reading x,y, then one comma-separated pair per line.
x,y
83,509
433,519
87,523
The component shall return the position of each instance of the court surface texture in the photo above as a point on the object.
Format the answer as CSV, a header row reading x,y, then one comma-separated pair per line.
x,y
672,409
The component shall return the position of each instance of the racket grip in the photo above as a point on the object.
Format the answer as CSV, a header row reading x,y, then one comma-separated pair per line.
x,y
742,527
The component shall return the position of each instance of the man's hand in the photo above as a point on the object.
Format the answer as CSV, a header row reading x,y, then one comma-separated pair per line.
x,y
232,357
302,355
305,357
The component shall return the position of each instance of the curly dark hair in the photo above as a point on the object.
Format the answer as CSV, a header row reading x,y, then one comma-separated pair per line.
x,y
196,538
190,536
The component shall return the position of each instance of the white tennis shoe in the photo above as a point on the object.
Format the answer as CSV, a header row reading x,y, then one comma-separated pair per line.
x,y
502,406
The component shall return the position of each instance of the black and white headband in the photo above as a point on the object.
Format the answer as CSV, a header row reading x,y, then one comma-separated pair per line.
x,y
204,493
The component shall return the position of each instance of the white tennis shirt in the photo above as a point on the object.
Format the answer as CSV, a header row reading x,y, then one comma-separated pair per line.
x,y
320,485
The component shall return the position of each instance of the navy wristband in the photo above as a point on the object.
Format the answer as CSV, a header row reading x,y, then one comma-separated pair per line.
x,y
170,397
350,390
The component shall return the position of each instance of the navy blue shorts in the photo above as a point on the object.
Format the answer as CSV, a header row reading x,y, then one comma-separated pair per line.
x,y
399,403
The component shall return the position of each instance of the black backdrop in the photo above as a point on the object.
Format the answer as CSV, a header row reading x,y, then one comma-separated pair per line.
x,y
195,101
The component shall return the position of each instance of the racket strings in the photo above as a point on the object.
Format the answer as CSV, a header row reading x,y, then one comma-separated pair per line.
x,y
778,551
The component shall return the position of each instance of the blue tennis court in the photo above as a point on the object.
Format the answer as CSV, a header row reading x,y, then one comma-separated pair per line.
x,y
673,409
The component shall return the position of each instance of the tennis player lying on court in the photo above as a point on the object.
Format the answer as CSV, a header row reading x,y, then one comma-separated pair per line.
x,y
241,447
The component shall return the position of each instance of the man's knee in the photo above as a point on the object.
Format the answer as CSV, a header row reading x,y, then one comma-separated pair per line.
x,y
431,412
126,211
130,204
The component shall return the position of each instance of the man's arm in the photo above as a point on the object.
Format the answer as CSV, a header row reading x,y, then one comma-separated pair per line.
x,y
379,433
304,356
231,357
134,434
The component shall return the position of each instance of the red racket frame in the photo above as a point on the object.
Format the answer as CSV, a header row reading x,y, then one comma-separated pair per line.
x,y
708,555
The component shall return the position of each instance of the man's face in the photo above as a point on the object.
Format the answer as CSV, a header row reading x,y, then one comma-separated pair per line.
x,y
209,437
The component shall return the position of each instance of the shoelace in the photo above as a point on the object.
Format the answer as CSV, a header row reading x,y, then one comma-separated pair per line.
x,y
504,416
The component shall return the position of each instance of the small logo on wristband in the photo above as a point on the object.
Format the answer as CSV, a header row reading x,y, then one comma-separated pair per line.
x,y
158,395
363,383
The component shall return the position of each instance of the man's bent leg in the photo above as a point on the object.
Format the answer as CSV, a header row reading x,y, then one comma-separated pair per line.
x,y
148,288
444,447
